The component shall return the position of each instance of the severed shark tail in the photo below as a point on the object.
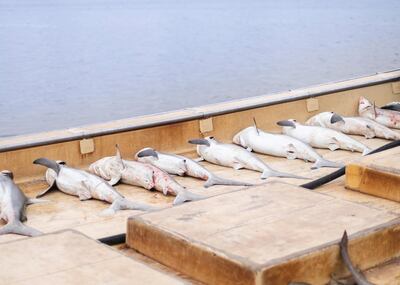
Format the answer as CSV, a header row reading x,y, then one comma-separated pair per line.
x,y
185,195
273,173
216,180
326,163
19,228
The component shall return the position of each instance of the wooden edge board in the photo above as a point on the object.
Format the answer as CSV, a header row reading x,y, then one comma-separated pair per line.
x,y
373,182
194,113
367,248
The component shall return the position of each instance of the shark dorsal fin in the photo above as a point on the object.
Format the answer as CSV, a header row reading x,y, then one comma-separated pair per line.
x,y
255,125
119,157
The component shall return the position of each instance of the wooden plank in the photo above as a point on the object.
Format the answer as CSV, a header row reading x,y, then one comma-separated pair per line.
x,y
69,257
155,265
263,235
377,175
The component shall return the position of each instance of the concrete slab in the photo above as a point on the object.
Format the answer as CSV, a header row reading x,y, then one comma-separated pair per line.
x,y
260,235
69,257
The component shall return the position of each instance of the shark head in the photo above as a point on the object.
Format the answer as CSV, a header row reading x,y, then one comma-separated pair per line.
x,y
239,138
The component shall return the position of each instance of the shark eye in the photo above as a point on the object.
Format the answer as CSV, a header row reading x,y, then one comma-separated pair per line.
x,y
211,138
294,120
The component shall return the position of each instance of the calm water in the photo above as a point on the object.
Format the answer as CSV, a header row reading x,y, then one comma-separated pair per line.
x,y
69,63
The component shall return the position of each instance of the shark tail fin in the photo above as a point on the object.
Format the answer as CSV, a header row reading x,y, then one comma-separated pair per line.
x,y
32,201
366,151
326,163
125,204
51,187
273,173
185,195
19,229
216,180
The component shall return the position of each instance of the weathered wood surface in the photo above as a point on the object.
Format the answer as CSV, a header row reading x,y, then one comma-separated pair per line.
x,y
68,257
378,175
386,274
270,234
154,264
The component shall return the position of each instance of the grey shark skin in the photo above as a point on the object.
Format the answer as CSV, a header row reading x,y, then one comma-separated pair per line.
x,y
12,204
231,155
357,276
181,165
86,186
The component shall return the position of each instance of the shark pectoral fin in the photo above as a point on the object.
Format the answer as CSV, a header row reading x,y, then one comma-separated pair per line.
x,y
165,191
84,193
199,159
115,179
369,134
334,145
53,186
291,152
237,165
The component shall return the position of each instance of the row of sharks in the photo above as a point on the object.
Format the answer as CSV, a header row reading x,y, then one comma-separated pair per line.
x,y
152,169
